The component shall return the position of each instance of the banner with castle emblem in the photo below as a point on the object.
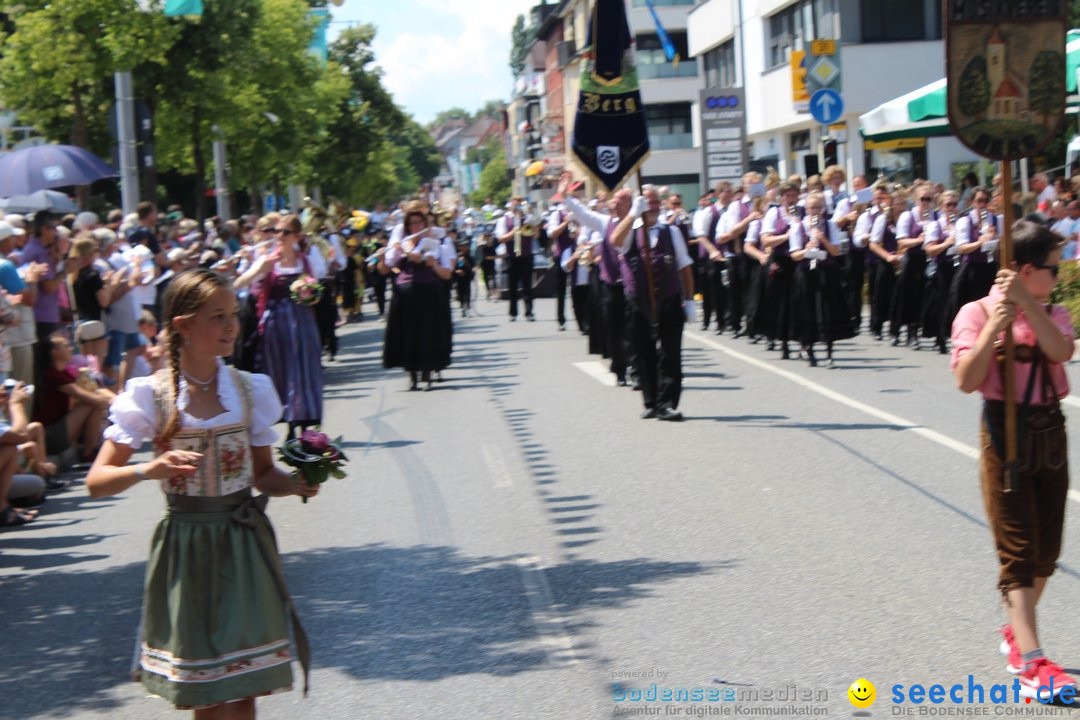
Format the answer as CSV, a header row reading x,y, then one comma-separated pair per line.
x,y
610,136
1006,74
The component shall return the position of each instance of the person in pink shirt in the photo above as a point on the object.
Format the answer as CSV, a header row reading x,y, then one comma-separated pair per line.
x,y
1026,523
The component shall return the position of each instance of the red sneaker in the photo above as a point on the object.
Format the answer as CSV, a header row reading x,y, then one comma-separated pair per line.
x,y
1010,649
1043,673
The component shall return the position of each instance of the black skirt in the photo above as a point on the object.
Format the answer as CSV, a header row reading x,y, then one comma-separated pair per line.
x,y
971,282
417,329
908,294
820,310
779,274
758,317
939,277
597,334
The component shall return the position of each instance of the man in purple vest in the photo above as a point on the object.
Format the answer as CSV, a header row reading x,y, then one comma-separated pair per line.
x,y
519,256
658,277
558,232
613,298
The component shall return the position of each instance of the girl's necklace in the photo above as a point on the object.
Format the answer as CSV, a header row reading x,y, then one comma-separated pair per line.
x,y
203,385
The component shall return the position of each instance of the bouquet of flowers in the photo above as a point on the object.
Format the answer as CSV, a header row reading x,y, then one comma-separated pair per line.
x,y
315,456
306,290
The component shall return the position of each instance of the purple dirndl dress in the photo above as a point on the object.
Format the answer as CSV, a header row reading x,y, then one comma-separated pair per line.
x,y
290,351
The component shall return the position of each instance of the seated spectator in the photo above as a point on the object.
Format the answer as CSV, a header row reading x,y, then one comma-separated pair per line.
x,y
90,362
33,460
154,358
71,414
11,436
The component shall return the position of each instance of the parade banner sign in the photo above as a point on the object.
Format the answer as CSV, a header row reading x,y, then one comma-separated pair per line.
x,y
1005,64
610,137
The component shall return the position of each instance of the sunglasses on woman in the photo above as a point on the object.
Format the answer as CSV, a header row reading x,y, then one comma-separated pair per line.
x,y
1052,268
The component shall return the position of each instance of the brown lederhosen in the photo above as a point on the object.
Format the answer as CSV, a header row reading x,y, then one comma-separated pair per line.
x,y
1026,524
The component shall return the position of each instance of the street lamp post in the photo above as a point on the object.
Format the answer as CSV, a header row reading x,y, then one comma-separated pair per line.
x,y
221,186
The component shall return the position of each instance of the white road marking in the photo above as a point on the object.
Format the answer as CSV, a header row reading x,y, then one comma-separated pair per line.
x,y
550,626
1071,400
597,371
905,425
500,476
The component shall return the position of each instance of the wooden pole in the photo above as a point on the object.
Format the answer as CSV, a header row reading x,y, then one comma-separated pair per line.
x,y
1005,254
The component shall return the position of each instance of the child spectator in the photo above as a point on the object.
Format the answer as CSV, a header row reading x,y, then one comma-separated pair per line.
x,y
69,413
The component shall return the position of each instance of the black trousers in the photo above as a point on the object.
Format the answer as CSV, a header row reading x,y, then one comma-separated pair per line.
x,y
614,313
520,274
659,352
854,277
326,314
882,284
560,295
726,288
703,284
378,287
463,285
579,296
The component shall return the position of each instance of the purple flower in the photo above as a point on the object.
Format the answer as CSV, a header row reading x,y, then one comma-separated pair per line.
x,y
315,441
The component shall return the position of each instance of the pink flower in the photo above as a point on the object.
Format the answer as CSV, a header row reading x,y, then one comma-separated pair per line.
x,y
315,441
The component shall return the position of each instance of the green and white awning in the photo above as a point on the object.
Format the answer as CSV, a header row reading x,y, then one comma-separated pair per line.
x,y
924,112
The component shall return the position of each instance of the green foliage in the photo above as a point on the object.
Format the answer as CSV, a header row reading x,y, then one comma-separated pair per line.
x,y
519,45
974,88
242,72
1047,82
1067,290
494,180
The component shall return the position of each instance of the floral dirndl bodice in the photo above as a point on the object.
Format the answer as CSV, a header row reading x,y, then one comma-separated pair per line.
x,y
226,467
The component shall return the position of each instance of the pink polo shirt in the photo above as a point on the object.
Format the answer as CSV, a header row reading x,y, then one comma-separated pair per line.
x,y
965,332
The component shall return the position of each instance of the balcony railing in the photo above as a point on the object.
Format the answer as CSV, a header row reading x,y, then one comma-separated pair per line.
x,y
649,71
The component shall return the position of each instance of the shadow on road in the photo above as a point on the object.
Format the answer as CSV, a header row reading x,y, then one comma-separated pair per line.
x,y
429,612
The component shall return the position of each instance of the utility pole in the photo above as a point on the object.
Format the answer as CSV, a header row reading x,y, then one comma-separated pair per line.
x,y
125,139
221,182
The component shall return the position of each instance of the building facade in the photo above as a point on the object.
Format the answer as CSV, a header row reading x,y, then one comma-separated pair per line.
x,y
886,48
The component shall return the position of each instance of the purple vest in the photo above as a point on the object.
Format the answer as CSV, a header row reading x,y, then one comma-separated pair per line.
x,y
976,229
665,276
609,259
714,221
562,242
415,273
781,250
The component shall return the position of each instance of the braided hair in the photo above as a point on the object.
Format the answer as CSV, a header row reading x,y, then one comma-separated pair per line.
x,y
187,292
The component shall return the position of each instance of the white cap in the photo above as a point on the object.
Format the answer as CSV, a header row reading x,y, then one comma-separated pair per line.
x,y
175,255
6,230
85,220
18,222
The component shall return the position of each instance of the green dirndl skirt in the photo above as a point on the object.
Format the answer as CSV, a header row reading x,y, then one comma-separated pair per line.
x,y
216,612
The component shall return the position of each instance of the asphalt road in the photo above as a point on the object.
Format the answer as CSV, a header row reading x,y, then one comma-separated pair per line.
x,y
517,541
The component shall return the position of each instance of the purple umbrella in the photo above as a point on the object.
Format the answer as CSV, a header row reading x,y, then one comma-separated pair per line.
x,y
49,166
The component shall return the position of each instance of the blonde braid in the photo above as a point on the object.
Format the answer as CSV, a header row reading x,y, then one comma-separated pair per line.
x,y
173,423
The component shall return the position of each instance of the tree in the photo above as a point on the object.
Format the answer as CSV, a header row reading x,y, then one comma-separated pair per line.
x,y
492,108
58,63
974,91
1046,86
494,181
519,45
454,113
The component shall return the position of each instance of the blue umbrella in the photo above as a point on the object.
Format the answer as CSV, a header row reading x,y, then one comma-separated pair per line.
x,y
49,166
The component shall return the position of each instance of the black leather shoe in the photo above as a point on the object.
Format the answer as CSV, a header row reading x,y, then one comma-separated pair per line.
x,y
669,414
513,318
621,382
636,386
648,414
530,318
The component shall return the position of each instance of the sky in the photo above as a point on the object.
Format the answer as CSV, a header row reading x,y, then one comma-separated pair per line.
x,y
439,54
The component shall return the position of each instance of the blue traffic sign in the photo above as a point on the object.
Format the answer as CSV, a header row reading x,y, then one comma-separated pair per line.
x,y
826,106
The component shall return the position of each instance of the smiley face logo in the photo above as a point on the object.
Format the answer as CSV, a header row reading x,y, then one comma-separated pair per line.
x,y
862,693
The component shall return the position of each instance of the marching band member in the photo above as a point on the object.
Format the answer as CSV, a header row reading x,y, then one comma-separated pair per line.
x,y
730,238
656,271
911,237
976,235
511,230
613,303
941,266
884,257
561,236
706,220
775,237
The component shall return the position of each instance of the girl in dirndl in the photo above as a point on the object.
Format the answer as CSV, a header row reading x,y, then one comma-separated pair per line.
x,y
216,611
290,351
